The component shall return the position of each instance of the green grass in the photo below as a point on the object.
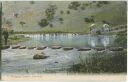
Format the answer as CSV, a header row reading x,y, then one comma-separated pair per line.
x,y
114,13
14,39
102,62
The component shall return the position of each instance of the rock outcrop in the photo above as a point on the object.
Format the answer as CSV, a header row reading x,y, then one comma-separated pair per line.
x,y
39,56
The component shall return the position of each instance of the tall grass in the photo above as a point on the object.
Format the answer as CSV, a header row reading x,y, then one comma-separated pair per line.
x,y
102,62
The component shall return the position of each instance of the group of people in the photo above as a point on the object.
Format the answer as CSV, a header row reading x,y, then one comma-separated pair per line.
x,y
95,30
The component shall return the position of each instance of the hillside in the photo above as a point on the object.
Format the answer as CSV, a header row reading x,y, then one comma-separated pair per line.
x,y
72,20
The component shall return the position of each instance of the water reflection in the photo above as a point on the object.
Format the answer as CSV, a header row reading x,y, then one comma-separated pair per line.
x,y
70,40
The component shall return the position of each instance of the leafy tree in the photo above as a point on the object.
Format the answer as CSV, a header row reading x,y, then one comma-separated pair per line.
x,y
68,12
50,12
22,23
43,22
51,25
61,20
74,5
89,20
61,12
32,2
103,2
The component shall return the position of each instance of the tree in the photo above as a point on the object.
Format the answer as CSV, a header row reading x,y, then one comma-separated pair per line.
x,y
43,22
61,12
89,20
50,12
68,12
61,20
32,2
22,24
74,5
51,25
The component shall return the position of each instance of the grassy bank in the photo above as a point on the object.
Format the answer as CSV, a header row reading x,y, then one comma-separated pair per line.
x,y
102,62
15,39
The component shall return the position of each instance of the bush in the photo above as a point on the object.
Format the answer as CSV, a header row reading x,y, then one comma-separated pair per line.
x,y
121,40
74,5
43,22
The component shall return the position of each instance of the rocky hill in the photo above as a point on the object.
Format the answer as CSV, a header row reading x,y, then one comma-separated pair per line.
x,y
67,16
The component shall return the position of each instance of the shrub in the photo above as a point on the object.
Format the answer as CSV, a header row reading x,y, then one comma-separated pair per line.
x,y
121,40
74,5
43,22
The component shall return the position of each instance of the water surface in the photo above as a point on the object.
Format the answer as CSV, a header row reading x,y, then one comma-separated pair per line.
x,y
72,40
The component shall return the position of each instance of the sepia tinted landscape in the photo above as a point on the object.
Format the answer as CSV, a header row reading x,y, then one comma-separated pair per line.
x,y
72,37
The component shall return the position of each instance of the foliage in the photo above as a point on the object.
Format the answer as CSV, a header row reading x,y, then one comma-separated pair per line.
x,y
61,12
51,25
89,20
50,12
101,3
121,40
11,31
32,2
61,19
102,62
22,23
74,5
43,22
68,12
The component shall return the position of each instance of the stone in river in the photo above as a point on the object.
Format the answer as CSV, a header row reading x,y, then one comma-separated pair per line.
x,y
84,49
41,48
39,56
56,47
22,47
67,48
99,48
116,49
15,46
31,47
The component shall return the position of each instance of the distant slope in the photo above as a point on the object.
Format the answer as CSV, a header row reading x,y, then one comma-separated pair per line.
x,y
31,14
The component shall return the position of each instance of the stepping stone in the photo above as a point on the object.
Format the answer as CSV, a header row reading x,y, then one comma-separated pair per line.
x,y
31,47
41,48
5,46
116,49
99,48
39,56
22,47
55,62
67,48
84,49
15,46
56,47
